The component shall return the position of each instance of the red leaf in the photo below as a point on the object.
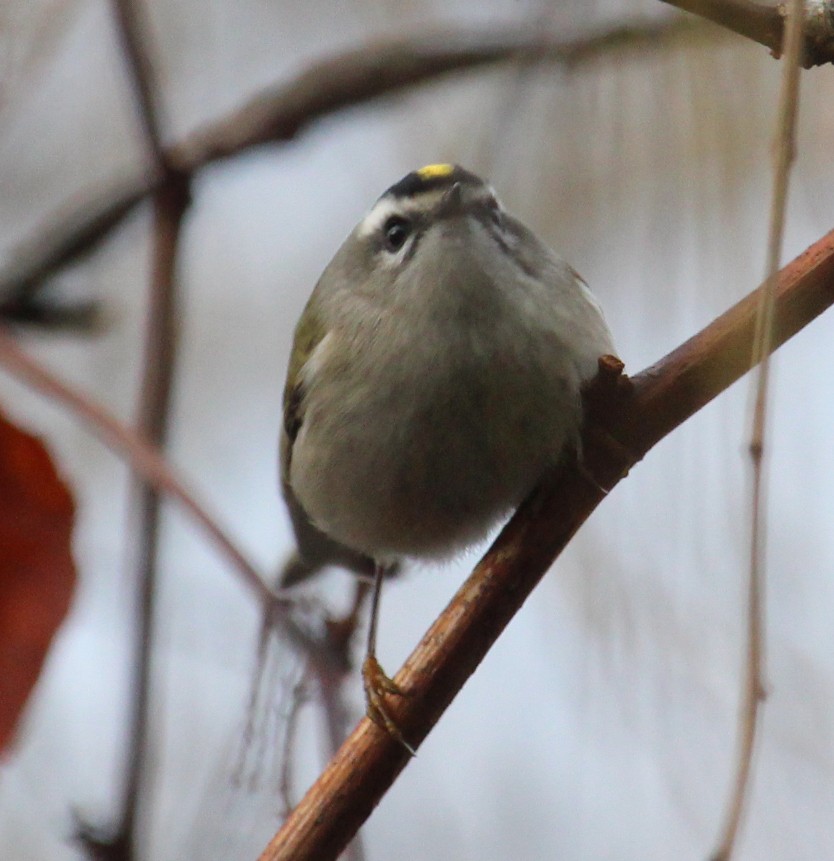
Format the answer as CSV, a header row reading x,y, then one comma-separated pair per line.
x,y
37,573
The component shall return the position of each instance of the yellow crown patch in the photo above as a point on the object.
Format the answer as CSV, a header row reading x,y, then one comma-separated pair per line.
x,y
435,171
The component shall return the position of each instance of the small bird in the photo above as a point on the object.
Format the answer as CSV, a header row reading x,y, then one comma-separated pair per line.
x,y
435,376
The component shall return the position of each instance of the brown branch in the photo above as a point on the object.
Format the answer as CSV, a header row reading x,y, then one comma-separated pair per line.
x,y
68,235
283,112
757,21
142,457
765,23
170,205
135,47
625,420
146,460
381,68
171,202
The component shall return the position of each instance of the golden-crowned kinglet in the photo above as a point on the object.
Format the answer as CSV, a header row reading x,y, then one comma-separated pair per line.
x,y
435,375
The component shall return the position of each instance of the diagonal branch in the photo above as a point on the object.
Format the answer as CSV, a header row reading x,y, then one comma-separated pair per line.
x,y
283,112
381,68
146,461
625,420
757,21
765,23
134,42
143,458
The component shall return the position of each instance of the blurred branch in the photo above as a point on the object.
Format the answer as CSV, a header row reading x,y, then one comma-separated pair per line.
x,y
70,234
170,203
753,683
282,112
757,21
136,46
625,420
765,24
142,457
48,314
327,678
382,68
147,461
55,248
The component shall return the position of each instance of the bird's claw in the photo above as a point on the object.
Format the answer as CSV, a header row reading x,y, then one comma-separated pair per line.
x,y
377,685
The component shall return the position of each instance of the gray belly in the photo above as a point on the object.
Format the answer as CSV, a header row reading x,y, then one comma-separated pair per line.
x,y
429,474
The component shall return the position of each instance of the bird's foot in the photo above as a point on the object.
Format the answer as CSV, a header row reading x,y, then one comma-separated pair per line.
x,y
377,685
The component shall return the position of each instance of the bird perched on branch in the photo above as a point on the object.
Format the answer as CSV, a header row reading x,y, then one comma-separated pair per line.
x,y
435,376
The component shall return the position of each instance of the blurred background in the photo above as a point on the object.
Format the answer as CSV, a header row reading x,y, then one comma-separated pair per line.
x,y
602,725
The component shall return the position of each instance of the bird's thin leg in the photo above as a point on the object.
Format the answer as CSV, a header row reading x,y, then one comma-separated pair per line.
x,y
376,683
376,596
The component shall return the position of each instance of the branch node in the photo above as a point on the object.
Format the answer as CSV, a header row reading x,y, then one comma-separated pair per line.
x,y
604,399
819,32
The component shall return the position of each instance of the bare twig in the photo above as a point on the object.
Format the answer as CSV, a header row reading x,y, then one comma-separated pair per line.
x,y
47,313
765,23
259,690
135,46
329,678
625,421
753,685
170,204
134,448
75,234
69,234
298,697
144,459
283,112
382,68
171,201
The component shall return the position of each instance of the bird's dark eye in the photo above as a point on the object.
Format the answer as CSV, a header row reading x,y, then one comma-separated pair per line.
x,y
396,230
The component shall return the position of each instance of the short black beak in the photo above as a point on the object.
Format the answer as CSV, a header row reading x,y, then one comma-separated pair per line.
x,y
452,201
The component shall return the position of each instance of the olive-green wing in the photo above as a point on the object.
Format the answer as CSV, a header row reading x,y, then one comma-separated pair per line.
x,y
308,335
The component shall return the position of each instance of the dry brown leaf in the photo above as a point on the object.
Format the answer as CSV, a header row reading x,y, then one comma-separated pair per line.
x,y
37,573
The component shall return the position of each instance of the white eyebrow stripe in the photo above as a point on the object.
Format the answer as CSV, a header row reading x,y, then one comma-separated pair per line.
x,y
385,207
382,210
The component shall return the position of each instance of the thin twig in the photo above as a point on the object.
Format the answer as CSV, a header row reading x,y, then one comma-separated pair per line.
x,y
284,111
372,71
144,459
135,47
753,684
66,236
258,685
170,204
624,423
154,399
139,454
328,677
298,697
